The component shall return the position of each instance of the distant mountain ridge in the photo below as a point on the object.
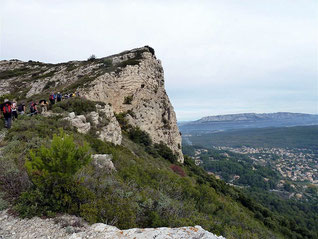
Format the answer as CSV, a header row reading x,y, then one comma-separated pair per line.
x,y
254,116
217,123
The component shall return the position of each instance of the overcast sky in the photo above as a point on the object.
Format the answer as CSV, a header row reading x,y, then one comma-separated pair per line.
x,y
219,56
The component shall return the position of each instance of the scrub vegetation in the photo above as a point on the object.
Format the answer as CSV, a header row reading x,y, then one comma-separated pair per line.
x,y
46,169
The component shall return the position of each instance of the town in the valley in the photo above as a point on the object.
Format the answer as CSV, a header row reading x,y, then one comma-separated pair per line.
x,y
298,166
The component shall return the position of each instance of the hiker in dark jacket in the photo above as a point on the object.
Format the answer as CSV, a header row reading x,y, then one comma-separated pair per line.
x,y
58,97
21,108
7,113
52,98
33,108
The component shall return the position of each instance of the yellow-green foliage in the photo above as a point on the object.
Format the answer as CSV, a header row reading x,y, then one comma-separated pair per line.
x,y
61,161
52,171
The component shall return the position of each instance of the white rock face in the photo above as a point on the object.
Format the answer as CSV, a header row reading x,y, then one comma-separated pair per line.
x,y
75,228
36,87
143,83
112,131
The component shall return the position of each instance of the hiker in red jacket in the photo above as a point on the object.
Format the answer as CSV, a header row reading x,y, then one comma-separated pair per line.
x,y
7,113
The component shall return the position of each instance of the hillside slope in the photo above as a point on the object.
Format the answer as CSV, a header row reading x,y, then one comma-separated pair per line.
x,y
131,83
146,189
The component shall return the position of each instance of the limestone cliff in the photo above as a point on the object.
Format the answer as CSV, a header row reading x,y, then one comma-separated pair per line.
x,y
132,81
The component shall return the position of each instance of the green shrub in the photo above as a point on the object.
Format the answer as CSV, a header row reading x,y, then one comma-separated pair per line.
x,y
123,122
77,105
128,100
91,58
131,113
166,124
99,146
129,62
52,171
13,73
139,136
49,85
165,152
58,110
80,83
3,203
38,126
12,180
107,62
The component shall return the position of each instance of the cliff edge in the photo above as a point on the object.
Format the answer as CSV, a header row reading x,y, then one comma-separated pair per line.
x,y
130,83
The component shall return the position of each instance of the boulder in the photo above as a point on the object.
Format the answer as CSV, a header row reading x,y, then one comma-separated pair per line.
x,y
103,161
79,122
95,117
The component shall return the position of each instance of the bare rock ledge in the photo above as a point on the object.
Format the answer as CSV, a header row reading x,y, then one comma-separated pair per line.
x,y
72,227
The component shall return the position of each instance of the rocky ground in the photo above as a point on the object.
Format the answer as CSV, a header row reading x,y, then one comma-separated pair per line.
x,y
72,227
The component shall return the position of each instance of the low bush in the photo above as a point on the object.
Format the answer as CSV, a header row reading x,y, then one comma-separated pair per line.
x,y
128,100
58,110
51,170
3,203
139,136
123,122
14,73
178,170
165,152
37,126
75,104
83,81
129,62
49,85
91,58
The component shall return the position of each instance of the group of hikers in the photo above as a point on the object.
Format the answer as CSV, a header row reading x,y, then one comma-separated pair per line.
x,y
11,110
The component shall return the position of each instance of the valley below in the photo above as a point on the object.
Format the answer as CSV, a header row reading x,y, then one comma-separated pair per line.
x,y
278,167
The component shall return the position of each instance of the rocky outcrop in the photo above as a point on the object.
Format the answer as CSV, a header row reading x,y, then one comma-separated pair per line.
x,y
108,126
131,82
104,122
103,161
79,122
75,228
138,88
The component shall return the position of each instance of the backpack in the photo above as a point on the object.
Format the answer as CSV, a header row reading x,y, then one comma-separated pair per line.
x,y
7,109
59,96
32,107
20,108
51,97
